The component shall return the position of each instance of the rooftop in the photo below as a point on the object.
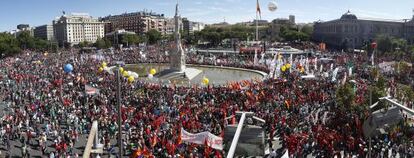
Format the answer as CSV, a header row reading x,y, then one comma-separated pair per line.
x,y
350,16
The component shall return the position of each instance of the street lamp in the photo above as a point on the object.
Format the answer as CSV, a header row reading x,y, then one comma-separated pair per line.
x,y
374,48
118,96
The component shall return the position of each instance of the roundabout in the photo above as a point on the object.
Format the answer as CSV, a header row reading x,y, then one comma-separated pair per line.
x,y
217,75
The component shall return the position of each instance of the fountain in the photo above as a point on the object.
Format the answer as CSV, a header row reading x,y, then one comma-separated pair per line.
x,y
178,72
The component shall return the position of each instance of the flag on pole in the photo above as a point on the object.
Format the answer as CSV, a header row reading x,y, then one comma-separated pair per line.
x,y
334,73
372,59
255,60
258,11
286,154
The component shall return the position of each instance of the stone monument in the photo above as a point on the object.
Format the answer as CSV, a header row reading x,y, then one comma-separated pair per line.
x,y
178,69
178,58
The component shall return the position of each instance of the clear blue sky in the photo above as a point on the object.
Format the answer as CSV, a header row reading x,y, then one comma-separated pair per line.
x,y
38,12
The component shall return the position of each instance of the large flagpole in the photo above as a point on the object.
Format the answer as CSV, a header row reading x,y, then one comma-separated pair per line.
x,y
257,21
257,28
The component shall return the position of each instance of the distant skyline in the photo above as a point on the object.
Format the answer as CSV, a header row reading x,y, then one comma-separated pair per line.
x,y
40,12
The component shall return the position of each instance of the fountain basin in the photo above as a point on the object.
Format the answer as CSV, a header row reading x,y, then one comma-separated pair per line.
x,y
217,75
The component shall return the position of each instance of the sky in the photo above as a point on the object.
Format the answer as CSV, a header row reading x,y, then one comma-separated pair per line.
x,y
40,12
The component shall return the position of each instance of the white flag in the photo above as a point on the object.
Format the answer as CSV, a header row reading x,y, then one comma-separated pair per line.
x,y
255,60
286,154
334,73
372,58
344,80
321,69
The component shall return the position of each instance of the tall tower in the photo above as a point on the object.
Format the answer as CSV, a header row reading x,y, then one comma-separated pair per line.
x,y
178,57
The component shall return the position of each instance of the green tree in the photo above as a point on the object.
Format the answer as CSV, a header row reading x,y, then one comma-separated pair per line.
x,y
130,39
84,44
153,36
8,45
345,96
402,70
108,43
215,35
26,41
378,89
307,29
292,34
384,43
102,43
41,44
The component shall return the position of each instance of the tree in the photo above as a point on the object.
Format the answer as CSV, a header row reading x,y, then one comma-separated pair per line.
x,y
130,39
102,43
153,36
307,29
84,44
8,45
384,43
292,34
345,96
215,35
26,41
41,44
108,43
402,70
378,87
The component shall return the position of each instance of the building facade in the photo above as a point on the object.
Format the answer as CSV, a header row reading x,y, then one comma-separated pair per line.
x,y
44,32
352,32
77,28
292,19
117,37
138,22
273,31
190,27
23,27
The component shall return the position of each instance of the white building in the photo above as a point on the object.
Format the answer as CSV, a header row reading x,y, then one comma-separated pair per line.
x,y
77,28
198,26
170,26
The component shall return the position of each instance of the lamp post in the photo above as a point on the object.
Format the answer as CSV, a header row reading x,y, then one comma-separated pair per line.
x,y
374,47
118,96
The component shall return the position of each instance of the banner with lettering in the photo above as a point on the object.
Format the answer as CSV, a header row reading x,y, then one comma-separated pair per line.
x,y
213,141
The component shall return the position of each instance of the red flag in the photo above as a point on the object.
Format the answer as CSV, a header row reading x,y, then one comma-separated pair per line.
x,y
218,154
154,140
170,148
207,149
179,137
233,120
158,121
137,153
287,104
146,152
258,9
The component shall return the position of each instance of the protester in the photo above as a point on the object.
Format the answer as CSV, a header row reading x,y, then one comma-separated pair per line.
x,y
46,103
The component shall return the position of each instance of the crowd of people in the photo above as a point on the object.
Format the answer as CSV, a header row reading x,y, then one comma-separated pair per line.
x,y
44,106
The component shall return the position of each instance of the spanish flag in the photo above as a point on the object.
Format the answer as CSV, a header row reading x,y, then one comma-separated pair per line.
x,y
179,140
258,11
287,104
